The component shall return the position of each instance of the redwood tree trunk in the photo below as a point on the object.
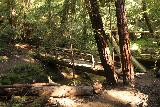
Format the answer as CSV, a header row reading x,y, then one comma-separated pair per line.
x,y
103,47
124,42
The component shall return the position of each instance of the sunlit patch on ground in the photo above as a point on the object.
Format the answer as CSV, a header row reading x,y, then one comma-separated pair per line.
x,y
134,98
64,102
22,46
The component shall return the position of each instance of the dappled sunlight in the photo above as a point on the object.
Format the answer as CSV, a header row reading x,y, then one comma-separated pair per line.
x,y
67,102
50,80
69,75
86,65
14,12
22,46
139,74
135,47
28,60
25,58
3,58
132,97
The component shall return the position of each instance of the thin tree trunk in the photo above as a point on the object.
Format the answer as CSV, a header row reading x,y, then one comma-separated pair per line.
x,y
103,47
52,27
64,16
145,16
84,29
124,42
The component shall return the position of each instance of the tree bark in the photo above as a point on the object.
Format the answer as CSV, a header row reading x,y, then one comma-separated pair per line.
x,y
50,90
124,42
115,44
102,44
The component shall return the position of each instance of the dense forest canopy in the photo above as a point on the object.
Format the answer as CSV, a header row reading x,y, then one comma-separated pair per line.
x,y
42,18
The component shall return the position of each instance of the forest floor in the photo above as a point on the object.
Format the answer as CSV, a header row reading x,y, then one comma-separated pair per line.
x,y
145,93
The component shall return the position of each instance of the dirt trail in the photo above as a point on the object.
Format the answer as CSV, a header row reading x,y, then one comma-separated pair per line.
x,y
147,83
146,93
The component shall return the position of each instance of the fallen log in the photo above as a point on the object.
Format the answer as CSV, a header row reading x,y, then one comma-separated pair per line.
x,y
79,68
28,85
42,90
62,91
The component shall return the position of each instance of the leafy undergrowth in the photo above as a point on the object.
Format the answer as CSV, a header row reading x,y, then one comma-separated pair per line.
x,y
24,73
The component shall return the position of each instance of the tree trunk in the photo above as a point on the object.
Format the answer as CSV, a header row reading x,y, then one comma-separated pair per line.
x,y
102,44
47,89
115,43
145,16
124,42
64,16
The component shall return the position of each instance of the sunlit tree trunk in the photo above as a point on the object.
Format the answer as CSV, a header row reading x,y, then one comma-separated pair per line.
x,y
102,44
124,42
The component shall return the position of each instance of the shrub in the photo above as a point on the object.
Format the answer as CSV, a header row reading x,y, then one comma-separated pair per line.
x,y
25,73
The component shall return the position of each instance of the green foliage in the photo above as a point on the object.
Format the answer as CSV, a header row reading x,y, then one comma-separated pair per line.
x,y
137,69
148,42
41,20
44,19
7,34
25,73
146,46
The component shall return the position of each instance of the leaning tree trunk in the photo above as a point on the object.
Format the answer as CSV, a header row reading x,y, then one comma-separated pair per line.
x,y
124,42
102,44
